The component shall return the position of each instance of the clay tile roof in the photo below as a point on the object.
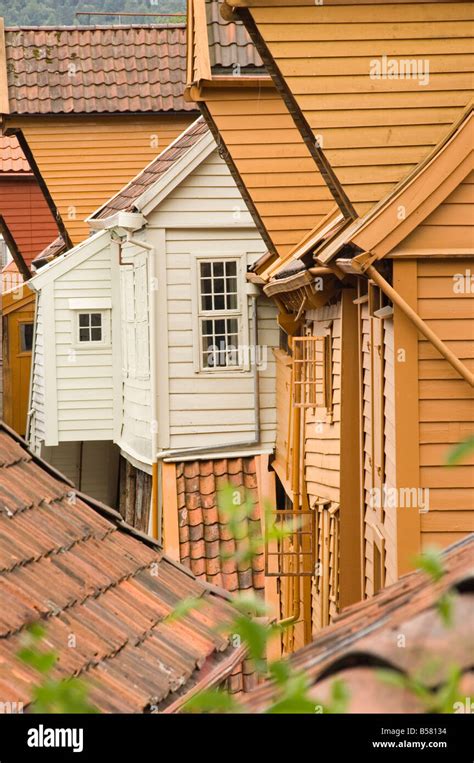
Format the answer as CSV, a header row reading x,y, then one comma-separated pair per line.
x,y
12,158
229,41
126,198
54,249
94,69
366,636
77,567
205,541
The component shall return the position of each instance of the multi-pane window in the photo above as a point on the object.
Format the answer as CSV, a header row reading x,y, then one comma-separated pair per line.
x,y
90,327
219,313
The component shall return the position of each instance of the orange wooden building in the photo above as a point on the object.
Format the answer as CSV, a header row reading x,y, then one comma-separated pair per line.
x,y
374,371
86,118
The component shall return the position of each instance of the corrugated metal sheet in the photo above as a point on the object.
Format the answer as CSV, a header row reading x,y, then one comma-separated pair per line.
x,y
64,70
366,636
125,199
229,43
77,567
12,158
206,542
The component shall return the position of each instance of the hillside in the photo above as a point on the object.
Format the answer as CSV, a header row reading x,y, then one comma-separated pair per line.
x,y
61,12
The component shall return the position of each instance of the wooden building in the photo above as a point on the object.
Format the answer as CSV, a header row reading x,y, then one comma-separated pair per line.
x,y
86,119
374,369
153,377
27,226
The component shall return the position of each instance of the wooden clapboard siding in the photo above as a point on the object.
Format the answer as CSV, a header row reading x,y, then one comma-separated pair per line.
x,y
445,400
322,464
374,131
27,215
84,376
84,160
449,226
18,307
37,398
276,167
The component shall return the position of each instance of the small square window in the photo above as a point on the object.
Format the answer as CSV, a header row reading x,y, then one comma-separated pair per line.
x,y
90,327
26,337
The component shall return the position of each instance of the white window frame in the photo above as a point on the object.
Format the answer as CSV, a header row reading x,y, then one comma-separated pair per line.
x,y
92,345
240,313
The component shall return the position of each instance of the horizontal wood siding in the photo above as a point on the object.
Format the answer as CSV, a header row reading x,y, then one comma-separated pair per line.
x,y
220,408
390,474
374,131
273,162
37,429
449,226
84,376
84,160
445,400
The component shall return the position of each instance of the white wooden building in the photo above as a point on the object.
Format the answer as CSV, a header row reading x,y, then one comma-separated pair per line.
x,y
151,348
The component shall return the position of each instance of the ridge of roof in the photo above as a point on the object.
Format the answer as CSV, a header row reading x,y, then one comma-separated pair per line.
x,y
126,198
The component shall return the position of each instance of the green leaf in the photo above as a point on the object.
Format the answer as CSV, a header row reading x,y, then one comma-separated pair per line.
x,y
212,700
445,606
430,561
40,662
460,451
184,607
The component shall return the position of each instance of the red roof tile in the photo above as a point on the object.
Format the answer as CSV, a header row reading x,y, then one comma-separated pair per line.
x,y
366,636
126,198
12,158
76,566
230,45
206,542
67,70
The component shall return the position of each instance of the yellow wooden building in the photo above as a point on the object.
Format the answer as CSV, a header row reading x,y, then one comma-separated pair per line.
x,y
374,371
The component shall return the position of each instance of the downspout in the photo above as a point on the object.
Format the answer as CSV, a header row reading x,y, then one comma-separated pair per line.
x,y
422,327
155,504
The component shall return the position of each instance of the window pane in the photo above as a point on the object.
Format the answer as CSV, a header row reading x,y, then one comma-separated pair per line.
x,y
83,335
96,319
218,269
205,269
207,327
231,268
219,326
26,337
218,286
232,326
206,301
231,301
96,334
219,302
84,319
206,285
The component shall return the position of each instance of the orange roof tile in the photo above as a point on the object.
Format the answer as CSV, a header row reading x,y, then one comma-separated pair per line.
x,y
205,541
365,637
65,70
230,45
77,567
12,158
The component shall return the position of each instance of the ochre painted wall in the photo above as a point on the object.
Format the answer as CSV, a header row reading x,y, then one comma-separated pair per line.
x,y
17,309
374,131
84,160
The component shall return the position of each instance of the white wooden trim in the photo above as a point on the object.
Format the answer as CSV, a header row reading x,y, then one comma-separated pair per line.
x,y
178,171
116,320
50,373
90,303
162,371
71,259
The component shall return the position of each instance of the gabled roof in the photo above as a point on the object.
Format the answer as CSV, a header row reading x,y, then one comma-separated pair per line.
x,y
50,252
65,70
366,637
12,158
130,198
74,565
383,228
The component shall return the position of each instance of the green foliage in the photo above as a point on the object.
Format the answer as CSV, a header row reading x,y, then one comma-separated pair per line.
x,y
431,562
61,12
460,451
51,695
439,700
